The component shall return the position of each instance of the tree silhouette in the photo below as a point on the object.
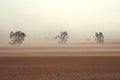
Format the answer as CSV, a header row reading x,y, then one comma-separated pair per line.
x,y
17,38
62,37
99,38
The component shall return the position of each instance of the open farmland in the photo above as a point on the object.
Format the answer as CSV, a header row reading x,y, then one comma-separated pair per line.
x,y
67,62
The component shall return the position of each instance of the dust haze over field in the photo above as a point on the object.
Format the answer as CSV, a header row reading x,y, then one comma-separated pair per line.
x,y
40,57
41,20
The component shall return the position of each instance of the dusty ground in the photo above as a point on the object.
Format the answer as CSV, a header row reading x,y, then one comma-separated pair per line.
x,y
71,62
61,50
60,68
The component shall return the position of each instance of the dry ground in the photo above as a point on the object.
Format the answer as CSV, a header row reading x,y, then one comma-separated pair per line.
x,y
71,62
60,68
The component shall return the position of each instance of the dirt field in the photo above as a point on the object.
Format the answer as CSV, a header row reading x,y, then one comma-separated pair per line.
x,y
71,62
60,68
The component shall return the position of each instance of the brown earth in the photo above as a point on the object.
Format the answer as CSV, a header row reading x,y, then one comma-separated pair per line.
x,y
60,68
60,63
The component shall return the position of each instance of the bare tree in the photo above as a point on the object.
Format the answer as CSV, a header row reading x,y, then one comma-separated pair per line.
x,y
99,37
17,38
62,37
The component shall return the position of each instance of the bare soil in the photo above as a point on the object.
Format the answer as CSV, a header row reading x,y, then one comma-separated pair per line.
x,y
60,68
60,63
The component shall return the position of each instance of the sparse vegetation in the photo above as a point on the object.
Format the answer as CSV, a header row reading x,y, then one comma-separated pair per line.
x,y
99,37
62,37
17,38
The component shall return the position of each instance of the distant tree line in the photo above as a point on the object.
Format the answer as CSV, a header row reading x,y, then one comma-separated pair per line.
x,y
18,37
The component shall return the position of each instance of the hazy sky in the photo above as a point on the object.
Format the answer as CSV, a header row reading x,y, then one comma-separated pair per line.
x,y
43,19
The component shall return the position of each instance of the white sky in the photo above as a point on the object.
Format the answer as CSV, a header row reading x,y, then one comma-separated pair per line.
x,y
45,18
